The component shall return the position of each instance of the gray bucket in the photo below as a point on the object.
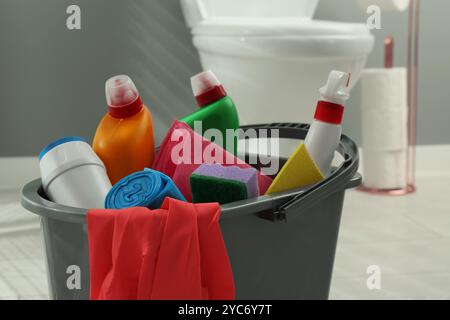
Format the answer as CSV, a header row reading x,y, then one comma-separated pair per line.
x,y
280,246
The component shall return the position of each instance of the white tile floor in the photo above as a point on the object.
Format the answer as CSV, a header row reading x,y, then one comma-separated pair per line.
x,y
22,267
407,237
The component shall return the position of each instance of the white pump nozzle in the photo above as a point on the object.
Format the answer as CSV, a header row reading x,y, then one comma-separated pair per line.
x,y
337,88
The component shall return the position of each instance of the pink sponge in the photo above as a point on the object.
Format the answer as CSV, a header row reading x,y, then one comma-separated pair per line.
x,y
173,161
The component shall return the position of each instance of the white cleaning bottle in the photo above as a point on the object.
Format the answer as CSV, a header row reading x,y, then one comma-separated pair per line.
x,y
326,129
73,175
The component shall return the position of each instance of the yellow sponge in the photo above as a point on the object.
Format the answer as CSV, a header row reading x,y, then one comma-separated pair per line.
x,y
299,171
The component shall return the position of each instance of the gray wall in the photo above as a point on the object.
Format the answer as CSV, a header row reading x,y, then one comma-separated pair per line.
x,y
52,79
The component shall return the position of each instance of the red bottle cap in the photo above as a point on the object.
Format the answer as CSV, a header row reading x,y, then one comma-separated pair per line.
x,y
330,108
207,88
122,97
329,112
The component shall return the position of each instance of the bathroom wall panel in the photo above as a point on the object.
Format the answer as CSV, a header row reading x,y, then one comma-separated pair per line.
x,y
52,79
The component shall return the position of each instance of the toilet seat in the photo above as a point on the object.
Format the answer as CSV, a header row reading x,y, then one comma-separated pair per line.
x,y
283,37
278,27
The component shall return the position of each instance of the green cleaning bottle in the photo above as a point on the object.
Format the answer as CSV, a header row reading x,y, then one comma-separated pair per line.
x,y
217,110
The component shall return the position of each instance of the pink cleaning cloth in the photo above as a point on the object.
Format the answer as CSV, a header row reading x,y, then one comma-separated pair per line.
x,y
183,151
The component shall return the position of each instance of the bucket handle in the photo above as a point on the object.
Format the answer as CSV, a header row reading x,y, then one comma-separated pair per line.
x,y
344,177
299,204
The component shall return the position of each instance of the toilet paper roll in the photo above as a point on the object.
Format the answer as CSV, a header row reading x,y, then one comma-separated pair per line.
x,y
385,170
386,5
384,109
385,130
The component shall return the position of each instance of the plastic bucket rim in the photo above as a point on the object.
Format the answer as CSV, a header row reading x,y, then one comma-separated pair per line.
x,y
35,203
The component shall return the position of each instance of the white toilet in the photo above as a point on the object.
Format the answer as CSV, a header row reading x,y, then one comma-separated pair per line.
x,y
271,56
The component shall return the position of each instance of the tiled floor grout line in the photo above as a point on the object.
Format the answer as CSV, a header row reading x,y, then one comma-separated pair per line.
x,y
417,242
440,236
20,272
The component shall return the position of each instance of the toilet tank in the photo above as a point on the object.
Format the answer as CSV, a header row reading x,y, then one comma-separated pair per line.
x,y
197,10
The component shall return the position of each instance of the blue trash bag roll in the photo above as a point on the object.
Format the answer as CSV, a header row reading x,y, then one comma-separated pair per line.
x,y
147,188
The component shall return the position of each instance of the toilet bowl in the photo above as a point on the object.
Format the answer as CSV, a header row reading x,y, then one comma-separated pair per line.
x,y
272,56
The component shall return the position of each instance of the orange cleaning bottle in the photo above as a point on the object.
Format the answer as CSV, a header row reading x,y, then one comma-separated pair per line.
x,y
124,139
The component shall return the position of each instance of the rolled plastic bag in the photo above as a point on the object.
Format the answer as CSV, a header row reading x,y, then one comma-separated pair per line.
x,y
147,188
